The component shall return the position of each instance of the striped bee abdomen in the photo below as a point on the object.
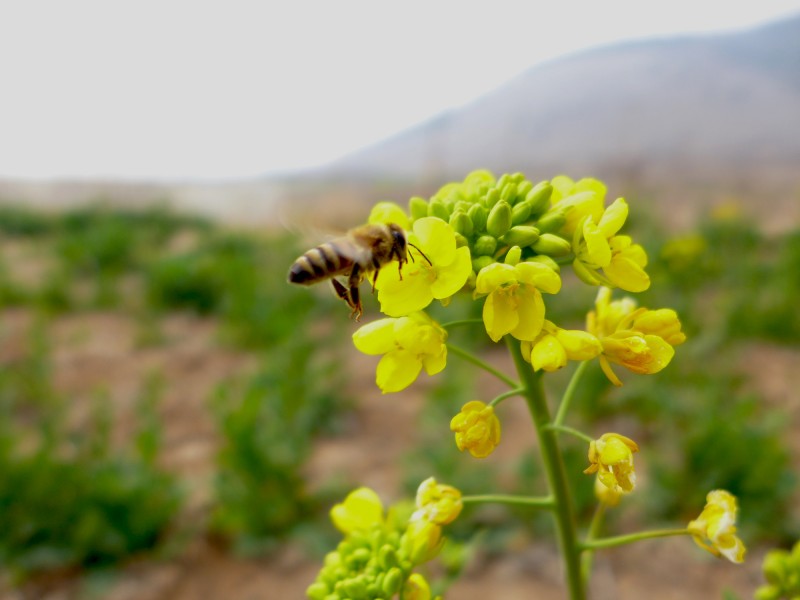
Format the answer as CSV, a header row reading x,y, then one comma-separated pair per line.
x,y
326,260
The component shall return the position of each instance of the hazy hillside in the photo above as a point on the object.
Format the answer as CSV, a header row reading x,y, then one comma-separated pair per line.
x,y
705,109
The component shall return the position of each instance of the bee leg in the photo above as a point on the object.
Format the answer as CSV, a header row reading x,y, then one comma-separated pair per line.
x,y
374,281
341,291
355,297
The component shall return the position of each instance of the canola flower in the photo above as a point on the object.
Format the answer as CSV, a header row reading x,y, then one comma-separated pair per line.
x,y
715,529
477,429
408,345
611,457
438,503
554,346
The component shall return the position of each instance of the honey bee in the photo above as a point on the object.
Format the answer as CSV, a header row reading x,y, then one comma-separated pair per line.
x,y
362,251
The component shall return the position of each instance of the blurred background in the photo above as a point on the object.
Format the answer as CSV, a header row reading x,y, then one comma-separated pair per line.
x,y
177,420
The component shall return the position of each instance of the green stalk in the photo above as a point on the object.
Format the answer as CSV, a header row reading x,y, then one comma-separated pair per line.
x,y
563,511
621,540
536,502
469,357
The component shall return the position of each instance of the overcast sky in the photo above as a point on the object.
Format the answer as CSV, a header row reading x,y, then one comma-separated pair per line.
x,y
227,90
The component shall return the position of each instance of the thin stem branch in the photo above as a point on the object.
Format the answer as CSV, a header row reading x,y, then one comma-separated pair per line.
x,y
570,430
621,540
536,502
461,322
508,394
594,531
563,511
569,393
469,357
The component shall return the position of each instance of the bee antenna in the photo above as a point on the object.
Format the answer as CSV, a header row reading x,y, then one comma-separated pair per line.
x,y
421,253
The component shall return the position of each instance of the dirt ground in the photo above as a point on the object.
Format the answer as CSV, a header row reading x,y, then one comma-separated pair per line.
x,y
100,351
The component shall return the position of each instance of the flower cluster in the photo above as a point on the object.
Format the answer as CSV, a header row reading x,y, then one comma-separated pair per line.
x,y
378,555
782,572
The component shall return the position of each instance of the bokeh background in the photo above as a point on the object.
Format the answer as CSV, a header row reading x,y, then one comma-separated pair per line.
x,y
177,419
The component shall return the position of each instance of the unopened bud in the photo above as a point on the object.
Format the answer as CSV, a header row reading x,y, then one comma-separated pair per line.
x,y
521,235
499,220
418,208
461,223
585,274
523,187
513,256
520,213
484,246
539,197
509,193
461,241
546,261
478,214
392,582
356,588
491,198
481,262
551,221
317,591
552,245
436,208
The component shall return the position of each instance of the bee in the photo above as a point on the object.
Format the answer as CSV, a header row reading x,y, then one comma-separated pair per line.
x,y
354,256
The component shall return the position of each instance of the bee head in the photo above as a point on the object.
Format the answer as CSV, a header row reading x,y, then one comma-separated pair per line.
x,y
399,236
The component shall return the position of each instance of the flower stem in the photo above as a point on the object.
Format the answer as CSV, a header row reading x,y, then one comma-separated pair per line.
x,y
538,502
621,540
570,430
563,512
569,393
594,530
462,322
504,395
468,356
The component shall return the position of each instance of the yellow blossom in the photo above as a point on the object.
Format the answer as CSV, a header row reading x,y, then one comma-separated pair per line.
x,y
416,588
639,339
612,459
388,212
577,200
440,273
514,304
596,246
408,345
437,502
360,511
554,346
477,429
715,529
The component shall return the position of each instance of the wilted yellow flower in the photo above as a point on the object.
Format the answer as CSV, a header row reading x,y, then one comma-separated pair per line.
x,y
477,429
360,511
612,459
408,345
388,212
639,339
437,502
514,304
439,274
554,346
715,529
596,246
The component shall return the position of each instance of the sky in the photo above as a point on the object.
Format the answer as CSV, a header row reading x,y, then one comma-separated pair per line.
x,y
202,91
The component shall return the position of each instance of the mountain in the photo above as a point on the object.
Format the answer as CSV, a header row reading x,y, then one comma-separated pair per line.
x,y
705,109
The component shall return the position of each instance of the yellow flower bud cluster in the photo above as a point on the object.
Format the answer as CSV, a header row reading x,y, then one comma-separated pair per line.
x,y
782,572
377,557
477,429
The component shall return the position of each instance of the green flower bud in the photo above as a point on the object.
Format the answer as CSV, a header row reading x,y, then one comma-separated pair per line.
x,y
461,223
461,241
768,592
462,205
539,197
505,178
492,197
523,188
552,245
356,588
418,207
387,557
478,214
509,193
551,221
392,582
774,566
585,274
359,557
545,260
517,177
499,220
481,262
484,246
521,235
317,591
520,213
513,256
436,208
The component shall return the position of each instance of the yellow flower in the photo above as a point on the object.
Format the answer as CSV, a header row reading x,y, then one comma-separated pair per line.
x,y
514,304
437,502
715,529
612,459
554,346
388,212
477,429
596,246
416,588
360,511
577,200
439,274
606,495
408,345
639,339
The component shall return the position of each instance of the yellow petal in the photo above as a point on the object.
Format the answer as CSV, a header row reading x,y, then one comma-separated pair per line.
x,y
493,276
530,314
388,212
539,275
500,315
437,239
376,337
547,354
435,363
578,345
598,252
627,275
360,510
452,277
399,298
397,370
614,217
